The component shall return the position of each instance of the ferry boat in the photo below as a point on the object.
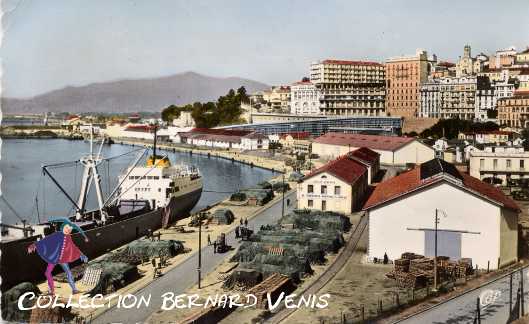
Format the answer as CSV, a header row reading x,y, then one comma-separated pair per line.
x,y
146,198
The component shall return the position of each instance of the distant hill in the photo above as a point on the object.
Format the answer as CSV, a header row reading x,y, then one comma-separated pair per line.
x,y
131,95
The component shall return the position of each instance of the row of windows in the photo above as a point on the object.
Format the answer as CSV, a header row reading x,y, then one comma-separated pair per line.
x,y
508,163
145,189
144,177
323,189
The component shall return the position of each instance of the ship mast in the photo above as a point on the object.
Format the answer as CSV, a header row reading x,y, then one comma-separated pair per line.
x,y
90,174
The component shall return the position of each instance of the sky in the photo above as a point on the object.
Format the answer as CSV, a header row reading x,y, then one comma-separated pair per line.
x,y
47,45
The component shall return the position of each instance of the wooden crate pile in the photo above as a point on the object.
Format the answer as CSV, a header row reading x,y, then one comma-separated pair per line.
x,y
274,285
415,271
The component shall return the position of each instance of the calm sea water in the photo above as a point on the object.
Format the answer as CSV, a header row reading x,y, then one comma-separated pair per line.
x,y
25,187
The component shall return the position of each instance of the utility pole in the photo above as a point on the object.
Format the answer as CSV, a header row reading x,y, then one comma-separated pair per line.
x,y
435,253
435,229
199,247
283,199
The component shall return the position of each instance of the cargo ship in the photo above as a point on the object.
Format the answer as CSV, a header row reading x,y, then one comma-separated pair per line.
x,y
146,198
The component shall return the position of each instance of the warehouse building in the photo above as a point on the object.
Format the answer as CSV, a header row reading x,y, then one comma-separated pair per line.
x,y
393,150
369,159
475,219
339,186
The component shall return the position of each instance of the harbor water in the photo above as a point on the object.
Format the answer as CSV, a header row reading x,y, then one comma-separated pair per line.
x,y
35,198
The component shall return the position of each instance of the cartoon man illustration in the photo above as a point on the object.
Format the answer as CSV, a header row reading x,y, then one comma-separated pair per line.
x,y
59,248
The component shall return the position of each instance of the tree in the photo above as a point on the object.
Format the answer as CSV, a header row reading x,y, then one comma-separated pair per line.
x,y
450,128
227,110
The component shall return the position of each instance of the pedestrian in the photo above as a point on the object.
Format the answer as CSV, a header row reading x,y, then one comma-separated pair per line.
x,y
215,247
237,232
246,222
241,221
209,240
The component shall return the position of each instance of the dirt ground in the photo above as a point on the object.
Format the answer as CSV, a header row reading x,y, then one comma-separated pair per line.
x,y
356,285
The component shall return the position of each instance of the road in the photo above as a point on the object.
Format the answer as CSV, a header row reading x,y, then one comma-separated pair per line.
x,y
183,276
495,303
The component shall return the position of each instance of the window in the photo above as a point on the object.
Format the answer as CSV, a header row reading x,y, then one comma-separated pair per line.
x,y
310,189
323,190
522,164
495,164
323,205
310,203
508,163
337,190
481,163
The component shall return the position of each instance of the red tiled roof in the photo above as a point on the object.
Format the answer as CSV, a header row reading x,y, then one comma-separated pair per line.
x,y
374,142
70,117
255,135
365,155
410,181
140,128
352,62
521,93
344,168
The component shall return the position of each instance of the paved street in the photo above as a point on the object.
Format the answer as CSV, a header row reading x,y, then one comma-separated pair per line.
x,y
495,302
185,275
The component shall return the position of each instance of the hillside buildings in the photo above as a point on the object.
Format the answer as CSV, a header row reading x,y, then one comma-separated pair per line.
x,y
487,137
476,220
304,98
404,77
514,111
338,186
457,97
499,164
393,150
350,88
430,106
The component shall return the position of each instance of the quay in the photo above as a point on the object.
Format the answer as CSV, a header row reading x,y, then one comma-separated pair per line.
x,y
183,273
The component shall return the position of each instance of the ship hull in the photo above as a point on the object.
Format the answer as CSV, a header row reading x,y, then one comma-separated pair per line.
x,y
18,266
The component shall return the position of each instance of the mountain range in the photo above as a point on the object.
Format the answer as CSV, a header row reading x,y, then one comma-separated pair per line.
x,y
133,95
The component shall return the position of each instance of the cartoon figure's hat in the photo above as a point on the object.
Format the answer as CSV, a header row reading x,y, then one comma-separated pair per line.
x,y
66,221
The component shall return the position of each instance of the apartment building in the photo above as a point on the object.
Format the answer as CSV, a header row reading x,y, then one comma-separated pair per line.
x,y
304,98
457,97
404,77
498,164
350,87
430,104
485,99
514,111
